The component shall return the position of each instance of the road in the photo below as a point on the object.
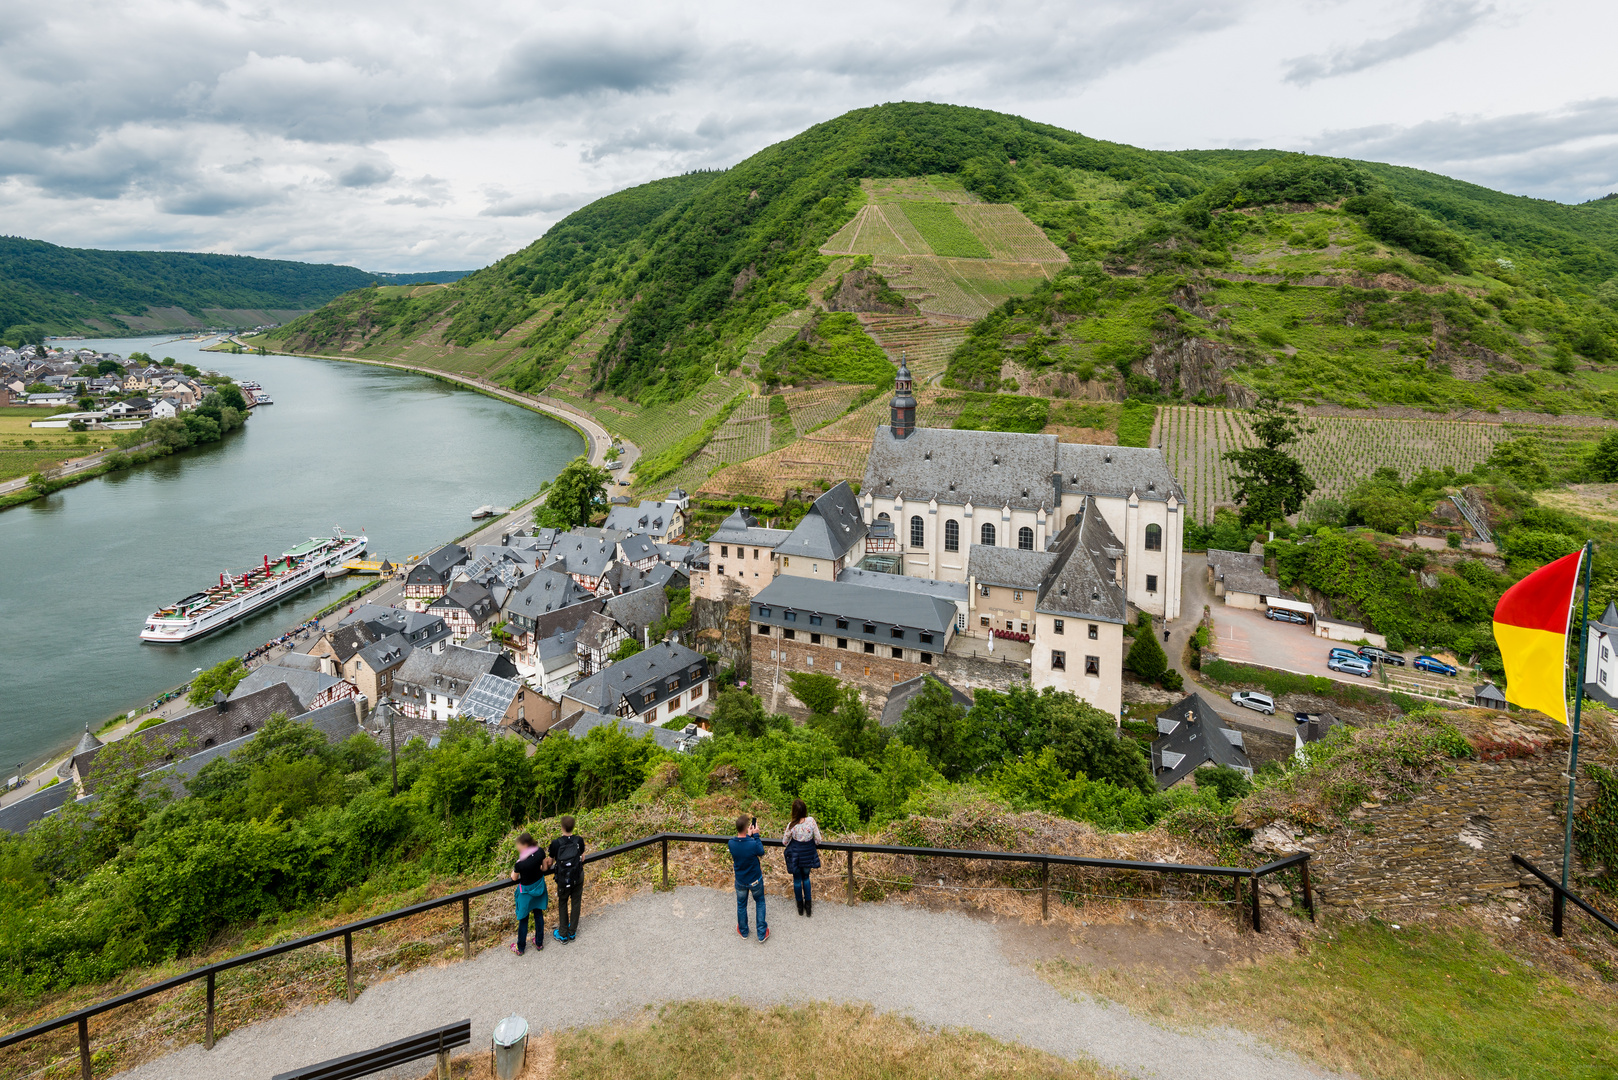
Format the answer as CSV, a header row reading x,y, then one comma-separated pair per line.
x,y
69,468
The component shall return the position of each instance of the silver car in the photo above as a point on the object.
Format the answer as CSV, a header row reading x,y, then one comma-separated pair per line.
x,y
1252,699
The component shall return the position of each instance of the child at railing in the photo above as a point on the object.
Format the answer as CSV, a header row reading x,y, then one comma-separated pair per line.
x,y
532,895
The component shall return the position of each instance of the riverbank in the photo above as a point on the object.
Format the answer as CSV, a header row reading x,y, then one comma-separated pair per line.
x,y
598,438
78,470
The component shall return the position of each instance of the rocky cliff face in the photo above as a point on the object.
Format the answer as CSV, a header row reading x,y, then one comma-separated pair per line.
x,y
720,626
1196,366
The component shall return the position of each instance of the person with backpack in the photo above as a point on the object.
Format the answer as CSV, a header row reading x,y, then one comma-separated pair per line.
x,y
532,895
745,852
567,853
803,854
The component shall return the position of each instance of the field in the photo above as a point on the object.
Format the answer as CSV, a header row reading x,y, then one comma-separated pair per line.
x,y
943,229
924,344
1341,451
51,446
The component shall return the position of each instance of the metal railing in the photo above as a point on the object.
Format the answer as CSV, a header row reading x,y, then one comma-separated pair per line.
x,y
1560,897
209,972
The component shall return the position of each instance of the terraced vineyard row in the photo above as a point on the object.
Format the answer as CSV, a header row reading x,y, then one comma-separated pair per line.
x,y
834,453
1009,235
1341,452
925,344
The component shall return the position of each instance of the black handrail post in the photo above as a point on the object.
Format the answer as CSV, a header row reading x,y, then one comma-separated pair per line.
x,y
348,962
1045,890
207,1040
84,1048
665,862
1258,923
850,877
1308,897
466,925
1558,904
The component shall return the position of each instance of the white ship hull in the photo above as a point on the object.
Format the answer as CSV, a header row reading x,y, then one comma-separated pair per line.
x,y
175,629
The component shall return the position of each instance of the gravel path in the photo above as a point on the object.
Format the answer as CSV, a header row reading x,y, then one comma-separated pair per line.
x,y
942,969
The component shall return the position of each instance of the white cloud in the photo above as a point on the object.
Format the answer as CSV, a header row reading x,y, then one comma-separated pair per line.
x,y
418,136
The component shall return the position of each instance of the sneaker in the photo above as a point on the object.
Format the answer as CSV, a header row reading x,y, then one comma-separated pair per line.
x,y
765,936
742,933
557,934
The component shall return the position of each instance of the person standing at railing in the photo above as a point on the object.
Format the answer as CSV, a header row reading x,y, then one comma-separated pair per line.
x,y
746,849
567,853
532,895
803,854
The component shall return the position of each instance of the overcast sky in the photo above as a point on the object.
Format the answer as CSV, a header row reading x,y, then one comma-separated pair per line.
x,y
422,136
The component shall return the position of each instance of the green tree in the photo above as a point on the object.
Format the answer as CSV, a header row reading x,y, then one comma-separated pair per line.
x,y
739,712
820,694
1270,484
223,676
1604,462
850,725
1523,460
629,648
579,491
935,724
1146,657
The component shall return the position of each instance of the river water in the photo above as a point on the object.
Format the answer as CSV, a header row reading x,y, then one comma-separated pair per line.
x,y
402,457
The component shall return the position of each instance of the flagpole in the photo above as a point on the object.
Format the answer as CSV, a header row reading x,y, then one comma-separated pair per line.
x,y
1578,702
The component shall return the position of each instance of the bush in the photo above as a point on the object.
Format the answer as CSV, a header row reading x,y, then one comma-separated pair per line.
x,y
1595,826
1146,657
830,807
1172,680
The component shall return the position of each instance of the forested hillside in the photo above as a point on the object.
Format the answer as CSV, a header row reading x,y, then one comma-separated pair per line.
x,y
46,289
1201,274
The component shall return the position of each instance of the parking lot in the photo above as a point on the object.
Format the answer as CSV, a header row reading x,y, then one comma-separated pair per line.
x,y
1248,637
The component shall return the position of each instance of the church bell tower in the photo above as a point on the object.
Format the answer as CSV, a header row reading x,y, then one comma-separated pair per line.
x,y
902,410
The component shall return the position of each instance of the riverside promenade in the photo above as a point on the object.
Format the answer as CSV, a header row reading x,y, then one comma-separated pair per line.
x,y
942,969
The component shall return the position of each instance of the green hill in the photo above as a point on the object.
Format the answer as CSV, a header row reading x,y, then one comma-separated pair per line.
x,y
46,289
1194,275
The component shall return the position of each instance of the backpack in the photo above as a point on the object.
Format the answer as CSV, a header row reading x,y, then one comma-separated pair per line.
x,y
569,870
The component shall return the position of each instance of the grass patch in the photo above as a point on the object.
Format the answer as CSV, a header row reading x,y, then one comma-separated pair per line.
x,y
1001,412
1278,683
943,229
1411,1004
836,347
1135,422
698,1040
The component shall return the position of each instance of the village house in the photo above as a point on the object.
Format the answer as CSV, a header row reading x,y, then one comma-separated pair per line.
x,y
467,608
663,520
585,556
597,641
430,578
875,637
1600,671
555,660
1190,735
420,629
655,686
538,595
830,537
336,646
129,408
430,686
944,490
302,675
166,409
741,559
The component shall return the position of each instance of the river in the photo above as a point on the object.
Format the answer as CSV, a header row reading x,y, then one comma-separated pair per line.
x,y
402,457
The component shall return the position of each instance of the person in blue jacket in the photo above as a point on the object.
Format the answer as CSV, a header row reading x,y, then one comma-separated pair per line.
x,y
746,851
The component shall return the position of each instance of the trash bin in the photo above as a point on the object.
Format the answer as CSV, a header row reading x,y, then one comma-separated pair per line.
x,y
510,1047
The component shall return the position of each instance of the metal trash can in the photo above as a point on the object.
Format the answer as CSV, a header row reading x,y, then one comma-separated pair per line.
x,y
509,1047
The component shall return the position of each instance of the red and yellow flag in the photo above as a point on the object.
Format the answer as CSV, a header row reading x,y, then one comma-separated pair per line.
x,y
1530,625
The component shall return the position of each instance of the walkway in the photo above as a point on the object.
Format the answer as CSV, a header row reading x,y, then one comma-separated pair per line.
x,y
942,969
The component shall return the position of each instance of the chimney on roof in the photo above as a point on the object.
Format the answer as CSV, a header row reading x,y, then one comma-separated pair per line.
x,y
220,702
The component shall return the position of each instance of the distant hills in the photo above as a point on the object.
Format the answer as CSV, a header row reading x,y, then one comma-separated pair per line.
x,y
46,289
1148,274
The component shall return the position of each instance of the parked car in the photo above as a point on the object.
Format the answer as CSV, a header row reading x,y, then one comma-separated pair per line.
x,y
1343,654
1252,699
1437,667
1283,615
1372,653
1350,665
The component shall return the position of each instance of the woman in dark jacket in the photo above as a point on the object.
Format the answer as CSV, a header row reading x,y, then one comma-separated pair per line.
x,y
803,855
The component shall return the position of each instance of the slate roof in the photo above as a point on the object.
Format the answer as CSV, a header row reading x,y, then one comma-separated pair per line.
x,y
638,546
648,516
349,639
1312,727
581,724
1081,581
17,816
557,650
387,653
1010,567
567,619
306,685
984,468
1116,471
418,627
638,609
438,565
904,693
1242,573
584,555
882,607
741,527
542,592
456,665
1191,734
597,631
830,530
470,597
648,670
1490,695
948,590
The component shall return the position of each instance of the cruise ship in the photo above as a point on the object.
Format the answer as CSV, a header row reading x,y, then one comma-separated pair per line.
x,y
238,595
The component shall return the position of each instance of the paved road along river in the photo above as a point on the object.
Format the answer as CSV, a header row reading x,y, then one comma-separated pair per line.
x,y
403,457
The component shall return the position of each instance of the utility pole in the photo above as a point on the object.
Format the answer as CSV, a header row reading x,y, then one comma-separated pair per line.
x,y
393,743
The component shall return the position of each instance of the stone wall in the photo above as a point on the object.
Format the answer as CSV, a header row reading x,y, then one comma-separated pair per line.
x,y
721,627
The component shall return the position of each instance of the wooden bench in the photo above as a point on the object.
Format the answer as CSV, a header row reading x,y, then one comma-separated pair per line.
x,y
439,1041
